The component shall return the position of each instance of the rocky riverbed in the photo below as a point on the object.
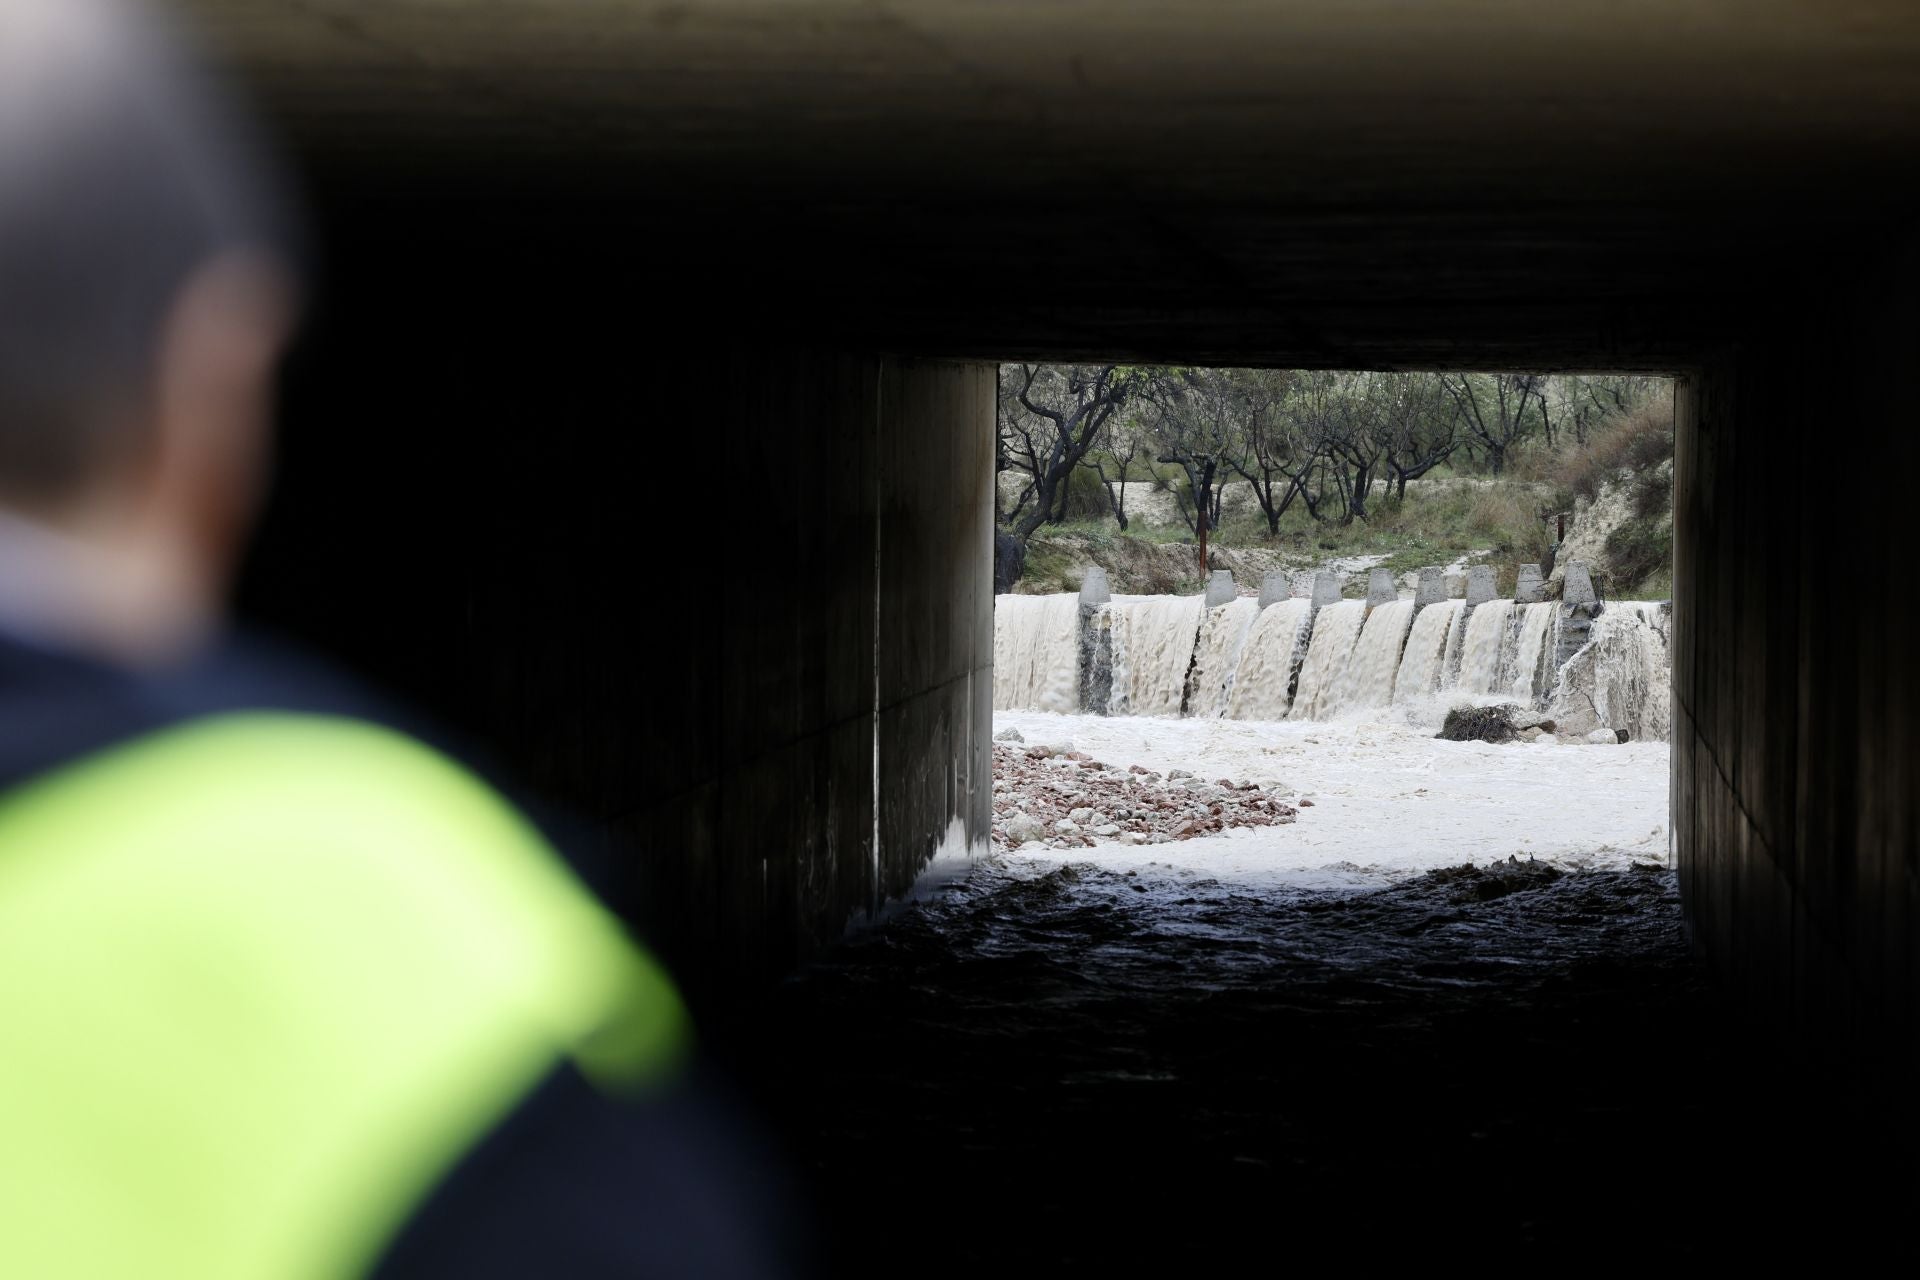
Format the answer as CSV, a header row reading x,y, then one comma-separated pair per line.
x,y
1051,795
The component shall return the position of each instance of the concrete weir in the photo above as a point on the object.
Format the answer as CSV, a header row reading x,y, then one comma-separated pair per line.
x,y
1213,655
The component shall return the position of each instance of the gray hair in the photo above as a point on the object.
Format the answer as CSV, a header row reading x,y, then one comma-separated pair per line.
x,y
123,169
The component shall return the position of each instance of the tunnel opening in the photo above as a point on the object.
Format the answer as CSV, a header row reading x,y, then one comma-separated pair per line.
x,y
1355,591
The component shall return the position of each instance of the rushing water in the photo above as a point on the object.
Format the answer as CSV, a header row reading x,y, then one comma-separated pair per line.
x,y
1367,680
1153,643
1335,631
1623,676
1486,646
1216,662
1533,652
1171,656
1434,634
1263,690
1036,653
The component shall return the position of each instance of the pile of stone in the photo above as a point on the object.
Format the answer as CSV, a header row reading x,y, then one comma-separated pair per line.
x,y
1064,799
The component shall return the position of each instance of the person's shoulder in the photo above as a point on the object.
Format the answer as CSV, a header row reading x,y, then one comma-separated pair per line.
x,y
59,707
255,671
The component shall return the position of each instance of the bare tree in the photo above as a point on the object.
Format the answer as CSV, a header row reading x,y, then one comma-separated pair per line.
x,y
1122,444
1276,458
1050,418
1195,416
1576,404
1329,414
1498,410
1362,436
1422,427
1008,455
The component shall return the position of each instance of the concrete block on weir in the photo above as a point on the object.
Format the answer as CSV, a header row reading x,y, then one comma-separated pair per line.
x,y
1432,588
1380,588
1275,587
1529,587
1220,588
1326,589
1480,588
1578,608
1094,588
1577,586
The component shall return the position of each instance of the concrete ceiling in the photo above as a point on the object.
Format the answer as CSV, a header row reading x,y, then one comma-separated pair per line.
x,y
1338,181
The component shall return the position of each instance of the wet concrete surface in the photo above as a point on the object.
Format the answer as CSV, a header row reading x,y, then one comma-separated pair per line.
x,y
1092,1072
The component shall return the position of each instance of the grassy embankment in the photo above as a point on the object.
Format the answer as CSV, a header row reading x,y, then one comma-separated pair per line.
x,y
1451,514
1437,523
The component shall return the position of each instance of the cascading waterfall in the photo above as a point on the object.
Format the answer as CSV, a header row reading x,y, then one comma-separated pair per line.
x,y
1533,652
1621,678
1335,631
1657,614
1036,653
1216,663
1434,632
1172,656
1367,679
1486,646
1262,688
1153,642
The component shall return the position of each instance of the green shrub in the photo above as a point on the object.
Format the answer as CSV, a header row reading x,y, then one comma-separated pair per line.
x,y
1045,571
1653,491
1637,441
1501,513
1086,496
1639,551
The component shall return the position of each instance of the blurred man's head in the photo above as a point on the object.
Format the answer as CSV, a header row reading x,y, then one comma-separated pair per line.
x,y
145,292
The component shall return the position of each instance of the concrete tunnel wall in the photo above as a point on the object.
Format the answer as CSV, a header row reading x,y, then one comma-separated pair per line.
x,y
711,602
1795,698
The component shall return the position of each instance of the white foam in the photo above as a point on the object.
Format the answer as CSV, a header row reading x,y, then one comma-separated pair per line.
x,y
1036,653
1532,656
1388,800
1262,688
1367,680
1336,629
1425,656
1153,641
1216,663
1485,654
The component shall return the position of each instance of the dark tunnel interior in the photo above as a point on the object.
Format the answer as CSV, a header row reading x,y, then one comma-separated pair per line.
x,y
584,273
